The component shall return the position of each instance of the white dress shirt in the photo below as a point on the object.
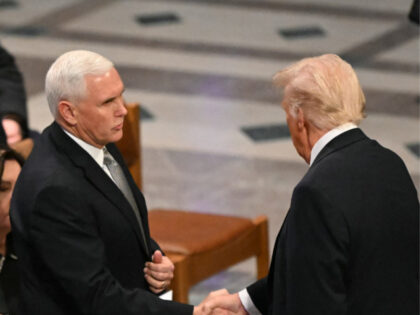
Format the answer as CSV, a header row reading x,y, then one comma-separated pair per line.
x,y
326,138
318,146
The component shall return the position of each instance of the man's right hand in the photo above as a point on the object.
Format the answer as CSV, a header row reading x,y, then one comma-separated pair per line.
x,y
220,303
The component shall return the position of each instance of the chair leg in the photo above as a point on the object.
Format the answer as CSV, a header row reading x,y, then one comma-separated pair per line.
x,y
263,256
180,282
180,293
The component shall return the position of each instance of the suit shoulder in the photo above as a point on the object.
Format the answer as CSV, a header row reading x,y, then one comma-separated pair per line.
x,y
364,155
47,168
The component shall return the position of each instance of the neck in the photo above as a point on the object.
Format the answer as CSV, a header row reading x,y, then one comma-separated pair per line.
x,y
67,127
313,135
73,132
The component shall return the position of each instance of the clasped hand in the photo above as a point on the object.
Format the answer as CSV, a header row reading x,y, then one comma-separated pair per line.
x,y
159,272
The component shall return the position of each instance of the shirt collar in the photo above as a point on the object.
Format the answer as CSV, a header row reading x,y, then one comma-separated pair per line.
x,y
96,153
323,141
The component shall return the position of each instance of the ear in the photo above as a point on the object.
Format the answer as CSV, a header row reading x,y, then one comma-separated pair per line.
x,y
67,111
300,118
304,129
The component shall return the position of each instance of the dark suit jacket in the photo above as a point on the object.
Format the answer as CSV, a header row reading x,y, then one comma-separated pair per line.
x,y
12,90
79,244
9,280
350,242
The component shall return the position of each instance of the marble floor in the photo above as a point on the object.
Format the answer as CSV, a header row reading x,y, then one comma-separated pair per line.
x,y
214,138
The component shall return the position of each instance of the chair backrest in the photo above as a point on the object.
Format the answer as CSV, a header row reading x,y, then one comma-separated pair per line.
x,y
129,145
23,147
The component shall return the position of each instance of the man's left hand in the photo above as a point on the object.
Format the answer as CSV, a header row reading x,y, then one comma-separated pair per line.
x,y
159,272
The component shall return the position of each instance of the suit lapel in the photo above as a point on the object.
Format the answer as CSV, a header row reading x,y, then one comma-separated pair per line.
x,y
141,203
339,142
98,178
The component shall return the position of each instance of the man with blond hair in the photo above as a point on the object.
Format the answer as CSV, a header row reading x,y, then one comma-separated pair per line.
x,y
349,244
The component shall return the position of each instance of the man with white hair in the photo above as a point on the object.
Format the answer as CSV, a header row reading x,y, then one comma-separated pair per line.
x,y
80,222
349,244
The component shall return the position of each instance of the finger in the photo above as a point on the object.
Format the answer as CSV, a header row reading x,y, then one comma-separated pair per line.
x,y
219,292
227,302
158,290
216,293
165,265
157,284
160,267
205,309
159,287
155,291
221,311
161,276
157,257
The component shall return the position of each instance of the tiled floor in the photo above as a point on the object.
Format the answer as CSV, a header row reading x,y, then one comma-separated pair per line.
x,y
214,140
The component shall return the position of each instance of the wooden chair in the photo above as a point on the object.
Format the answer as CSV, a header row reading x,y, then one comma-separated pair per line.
x,y
199,244
23,147
129,145
202,245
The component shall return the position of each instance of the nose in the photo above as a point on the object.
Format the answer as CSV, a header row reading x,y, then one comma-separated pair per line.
x,y
121,110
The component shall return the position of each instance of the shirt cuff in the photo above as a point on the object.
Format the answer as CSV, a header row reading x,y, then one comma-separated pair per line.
x,y
247,303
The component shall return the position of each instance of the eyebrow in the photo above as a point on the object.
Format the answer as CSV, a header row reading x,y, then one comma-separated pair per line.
x,y
108,100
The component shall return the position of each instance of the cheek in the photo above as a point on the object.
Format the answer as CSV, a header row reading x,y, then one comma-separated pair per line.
x,y
100,123
297,144
4,205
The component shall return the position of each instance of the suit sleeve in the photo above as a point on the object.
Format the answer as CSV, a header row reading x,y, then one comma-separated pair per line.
x,y
155,246
66,237
316,250
258,292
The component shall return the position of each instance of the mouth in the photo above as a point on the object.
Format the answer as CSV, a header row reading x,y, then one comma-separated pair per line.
x,y
119,126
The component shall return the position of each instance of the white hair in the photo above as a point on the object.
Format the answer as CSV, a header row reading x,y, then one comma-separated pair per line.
x,y
65,79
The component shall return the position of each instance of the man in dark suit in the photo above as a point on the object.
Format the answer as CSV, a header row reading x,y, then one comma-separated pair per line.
x,y
349,244
80,222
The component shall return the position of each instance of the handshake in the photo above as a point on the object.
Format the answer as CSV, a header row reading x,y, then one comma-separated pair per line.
x,y
159,273
220,303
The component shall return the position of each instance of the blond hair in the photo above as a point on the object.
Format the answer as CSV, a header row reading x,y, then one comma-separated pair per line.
x,y
327,90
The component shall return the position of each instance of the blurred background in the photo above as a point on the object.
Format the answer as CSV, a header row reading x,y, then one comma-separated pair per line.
x,y
214,137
